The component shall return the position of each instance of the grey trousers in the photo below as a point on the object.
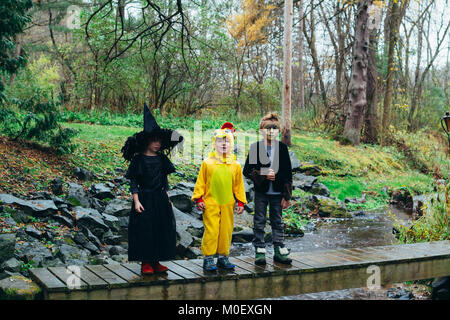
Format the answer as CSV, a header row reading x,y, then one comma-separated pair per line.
x,y
275,215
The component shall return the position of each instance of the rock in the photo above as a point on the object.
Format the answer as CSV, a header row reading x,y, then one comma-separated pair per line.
x,y
117,250
244,236
440,288
303,181
83,174
402,198
12,265
32,231
295,163
56,185
249,189
112,222
310,227
92,220
7,245
249,207
196,213
120,258
120,181
320,189
327,207
97,204
64,220
181,199
35,253
77,196
123,223
20,217
355,200
10,221
358,213
311,169
185,220
101,191
71,255
19,288
118,207
111,239
40,195
91,237
39,208
400,294
83,241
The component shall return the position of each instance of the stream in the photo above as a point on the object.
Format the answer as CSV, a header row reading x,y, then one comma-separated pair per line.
x,y
370,229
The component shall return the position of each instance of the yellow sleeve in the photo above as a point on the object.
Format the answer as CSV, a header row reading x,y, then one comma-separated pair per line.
x,y
199,190
238,185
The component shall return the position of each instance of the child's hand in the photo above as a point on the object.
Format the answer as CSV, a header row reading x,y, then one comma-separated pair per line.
x,y
271,175
138,207
285,203
239,210
201,206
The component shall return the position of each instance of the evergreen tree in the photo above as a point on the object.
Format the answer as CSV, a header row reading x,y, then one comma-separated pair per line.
x,y
14,17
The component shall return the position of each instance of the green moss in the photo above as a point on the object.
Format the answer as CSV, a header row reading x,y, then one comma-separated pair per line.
x,y
74,201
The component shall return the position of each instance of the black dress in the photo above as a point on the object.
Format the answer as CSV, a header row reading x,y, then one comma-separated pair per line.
x,y
151,233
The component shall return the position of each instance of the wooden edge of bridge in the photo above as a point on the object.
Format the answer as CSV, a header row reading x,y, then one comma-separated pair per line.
x,y
316,271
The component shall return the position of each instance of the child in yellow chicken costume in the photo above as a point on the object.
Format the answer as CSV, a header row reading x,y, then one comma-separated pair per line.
x,y
219,181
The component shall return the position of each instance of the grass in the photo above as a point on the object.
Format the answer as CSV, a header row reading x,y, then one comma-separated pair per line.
x,y
348,170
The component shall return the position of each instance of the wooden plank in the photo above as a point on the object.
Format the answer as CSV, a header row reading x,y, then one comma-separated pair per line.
x,y
72,280
259,270
352,259
334,260
238,272
294,268
307,259
92,280
197,268
316,260
167,277
182,272
113,280
253,269
47,280
123,272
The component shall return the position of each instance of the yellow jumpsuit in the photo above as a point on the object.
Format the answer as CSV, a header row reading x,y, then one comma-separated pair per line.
x,y
216,184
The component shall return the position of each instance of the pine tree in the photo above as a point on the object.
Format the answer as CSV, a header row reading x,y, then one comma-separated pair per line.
x,y
14,17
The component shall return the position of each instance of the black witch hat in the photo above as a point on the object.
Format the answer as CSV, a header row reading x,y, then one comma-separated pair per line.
x,y
152,131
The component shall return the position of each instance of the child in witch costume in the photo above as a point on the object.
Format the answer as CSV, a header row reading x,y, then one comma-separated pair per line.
x,y
219,182
152,228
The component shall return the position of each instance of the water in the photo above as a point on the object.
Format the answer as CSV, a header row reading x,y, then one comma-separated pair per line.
x,y
371,229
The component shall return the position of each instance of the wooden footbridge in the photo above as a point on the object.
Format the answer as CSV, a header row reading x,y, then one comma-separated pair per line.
x,y
310,272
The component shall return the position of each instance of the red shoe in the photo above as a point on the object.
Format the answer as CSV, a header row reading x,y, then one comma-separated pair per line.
x,y
146,268
159,267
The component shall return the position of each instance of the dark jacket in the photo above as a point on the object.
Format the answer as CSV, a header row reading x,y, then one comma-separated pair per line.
x,y
258,159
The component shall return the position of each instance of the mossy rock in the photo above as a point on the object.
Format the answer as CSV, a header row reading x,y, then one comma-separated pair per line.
x,y
328,207
74,201
312,170
19,287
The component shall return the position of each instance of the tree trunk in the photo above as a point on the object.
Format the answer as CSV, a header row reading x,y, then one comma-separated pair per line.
x,y
358,81
393,17
371,116
301,76
287,72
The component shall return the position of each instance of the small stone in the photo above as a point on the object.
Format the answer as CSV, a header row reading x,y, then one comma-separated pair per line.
x,y
19,288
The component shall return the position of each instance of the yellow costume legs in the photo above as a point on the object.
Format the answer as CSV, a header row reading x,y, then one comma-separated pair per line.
x,y
218,221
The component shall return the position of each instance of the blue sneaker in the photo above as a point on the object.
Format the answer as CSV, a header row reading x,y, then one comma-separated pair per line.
x,y
209,265
224,263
